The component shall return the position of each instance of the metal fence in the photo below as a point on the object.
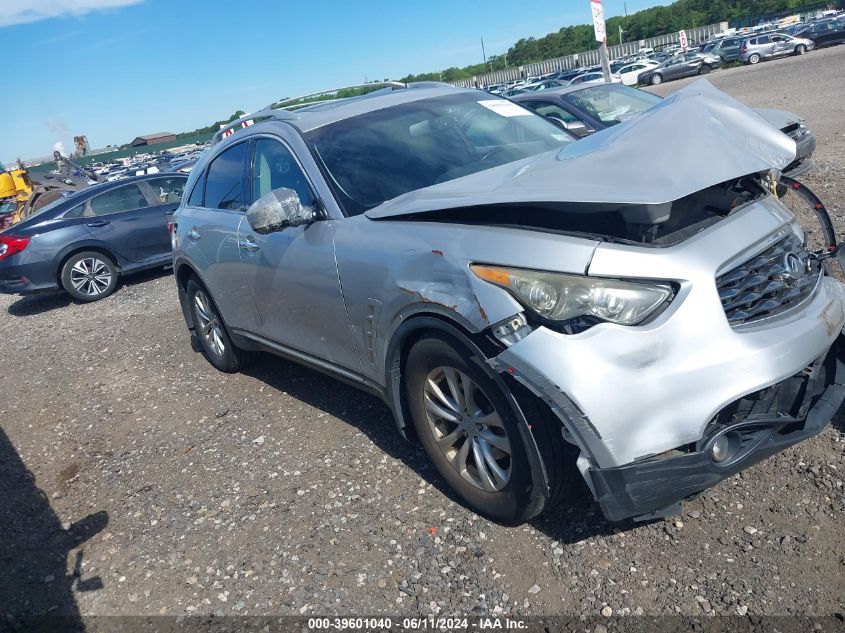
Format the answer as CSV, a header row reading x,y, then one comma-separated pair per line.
x,y
588,58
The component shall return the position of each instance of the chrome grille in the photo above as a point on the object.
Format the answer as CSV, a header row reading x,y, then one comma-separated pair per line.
x,y
779,278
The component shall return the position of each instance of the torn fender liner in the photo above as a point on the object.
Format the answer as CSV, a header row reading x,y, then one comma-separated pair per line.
x,y
695,138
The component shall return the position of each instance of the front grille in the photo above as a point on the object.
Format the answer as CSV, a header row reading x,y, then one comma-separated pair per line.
x,y
776,280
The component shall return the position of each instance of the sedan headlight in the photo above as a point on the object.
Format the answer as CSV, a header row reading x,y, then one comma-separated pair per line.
x,y
561,297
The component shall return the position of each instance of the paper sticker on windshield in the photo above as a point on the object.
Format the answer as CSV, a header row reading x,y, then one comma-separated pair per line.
x,y
505,108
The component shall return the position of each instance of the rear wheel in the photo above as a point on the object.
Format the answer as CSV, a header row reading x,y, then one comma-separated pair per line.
x,y
211,332
469,430
89,276
800,49
754,58
656,79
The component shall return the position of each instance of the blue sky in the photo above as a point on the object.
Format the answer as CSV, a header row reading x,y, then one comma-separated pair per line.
x,y
116,69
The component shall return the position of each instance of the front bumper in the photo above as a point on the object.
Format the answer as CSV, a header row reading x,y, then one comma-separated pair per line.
x,y
805,145
653,487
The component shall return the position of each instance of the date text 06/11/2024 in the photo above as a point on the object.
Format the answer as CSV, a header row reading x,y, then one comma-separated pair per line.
x,y
415,624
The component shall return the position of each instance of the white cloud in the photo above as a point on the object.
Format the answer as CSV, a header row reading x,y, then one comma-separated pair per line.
x,y
23,11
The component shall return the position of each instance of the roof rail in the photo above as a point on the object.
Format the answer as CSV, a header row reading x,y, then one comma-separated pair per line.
x,y
262,115
284,103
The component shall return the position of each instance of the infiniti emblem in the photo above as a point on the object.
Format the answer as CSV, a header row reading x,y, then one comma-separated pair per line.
x,y
793,267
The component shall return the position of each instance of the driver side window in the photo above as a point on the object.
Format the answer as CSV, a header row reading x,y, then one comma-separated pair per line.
x,y
274,167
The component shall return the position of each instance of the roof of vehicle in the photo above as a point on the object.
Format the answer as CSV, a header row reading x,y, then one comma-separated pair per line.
x,y
317,114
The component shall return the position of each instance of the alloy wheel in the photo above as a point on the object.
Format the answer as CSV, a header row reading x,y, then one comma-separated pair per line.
x,y
90,276
467,428
209,326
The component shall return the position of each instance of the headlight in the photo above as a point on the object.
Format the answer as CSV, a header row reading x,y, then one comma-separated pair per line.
x,y
561,297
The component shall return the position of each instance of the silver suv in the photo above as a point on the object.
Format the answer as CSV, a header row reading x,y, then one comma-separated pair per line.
x,y
530,308
769,45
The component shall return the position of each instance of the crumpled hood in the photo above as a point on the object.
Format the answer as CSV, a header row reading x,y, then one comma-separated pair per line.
x,y
693,139
779,118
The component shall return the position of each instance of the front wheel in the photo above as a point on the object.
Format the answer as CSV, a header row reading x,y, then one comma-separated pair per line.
x,y
754,59
656,79
89,276
704,70
211,332
469,430
800,49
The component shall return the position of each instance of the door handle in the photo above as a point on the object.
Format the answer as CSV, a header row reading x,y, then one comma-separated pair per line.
x,y
249,245
194,234
97,223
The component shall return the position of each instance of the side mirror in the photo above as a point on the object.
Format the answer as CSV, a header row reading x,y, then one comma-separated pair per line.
x,y
276,210
578,128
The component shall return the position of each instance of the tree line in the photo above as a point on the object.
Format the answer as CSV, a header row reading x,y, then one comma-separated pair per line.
x,y
682,14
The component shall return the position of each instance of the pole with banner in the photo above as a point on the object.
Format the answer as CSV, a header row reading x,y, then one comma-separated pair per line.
x,y
682,37
601,36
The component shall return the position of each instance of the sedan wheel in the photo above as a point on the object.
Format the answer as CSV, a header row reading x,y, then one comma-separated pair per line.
x,y
800,49
467,429
89,276
656,79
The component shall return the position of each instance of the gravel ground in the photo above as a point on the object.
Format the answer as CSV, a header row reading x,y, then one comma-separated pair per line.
x,y
137,480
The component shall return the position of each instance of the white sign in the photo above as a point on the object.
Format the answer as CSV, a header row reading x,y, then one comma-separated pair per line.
x,y
598,20
504,108
683,38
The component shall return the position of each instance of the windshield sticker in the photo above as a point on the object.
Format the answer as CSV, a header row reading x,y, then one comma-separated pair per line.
x,y
504,108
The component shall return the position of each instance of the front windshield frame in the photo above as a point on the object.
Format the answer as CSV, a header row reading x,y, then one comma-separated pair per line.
x,y
382,154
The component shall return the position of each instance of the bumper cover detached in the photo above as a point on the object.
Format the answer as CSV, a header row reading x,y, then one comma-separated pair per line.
x,y
758,426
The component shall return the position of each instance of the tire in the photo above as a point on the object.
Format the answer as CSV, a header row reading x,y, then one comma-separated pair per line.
x,y
800,49
211,332
656,79
704,70
754,58
496,443
89,276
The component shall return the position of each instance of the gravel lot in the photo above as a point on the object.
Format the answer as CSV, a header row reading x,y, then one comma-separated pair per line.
x,y
135,479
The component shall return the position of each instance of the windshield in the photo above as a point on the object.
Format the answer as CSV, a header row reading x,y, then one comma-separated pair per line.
x,y
612,103
383,154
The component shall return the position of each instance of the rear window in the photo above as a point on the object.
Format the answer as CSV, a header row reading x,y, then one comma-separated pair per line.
x,y
168,190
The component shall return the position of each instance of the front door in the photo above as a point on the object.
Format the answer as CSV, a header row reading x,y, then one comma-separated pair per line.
x,y
292,271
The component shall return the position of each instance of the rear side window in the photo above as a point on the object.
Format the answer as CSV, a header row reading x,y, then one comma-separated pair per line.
x,y
196,194
75,212
224,182
168,190
121,199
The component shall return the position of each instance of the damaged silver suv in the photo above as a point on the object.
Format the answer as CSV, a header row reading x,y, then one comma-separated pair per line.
x,y
636,307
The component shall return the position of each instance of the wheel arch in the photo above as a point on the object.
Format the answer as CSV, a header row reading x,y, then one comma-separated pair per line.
x,y
448,325
75,249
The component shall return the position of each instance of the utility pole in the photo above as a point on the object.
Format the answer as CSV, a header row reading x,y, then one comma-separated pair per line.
x,y
625,4
621,31
484,54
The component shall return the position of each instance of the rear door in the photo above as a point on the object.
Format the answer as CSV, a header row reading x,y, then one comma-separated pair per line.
x,y
165,193
208,231
125,220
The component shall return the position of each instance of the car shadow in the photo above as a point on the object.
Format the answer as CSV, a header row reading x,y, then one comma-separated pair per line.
x,y
30,305
36,590
577,519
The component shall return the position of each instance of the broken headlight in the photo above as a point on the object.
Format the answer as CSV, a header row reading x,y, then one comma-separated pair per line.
x,y
562,297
